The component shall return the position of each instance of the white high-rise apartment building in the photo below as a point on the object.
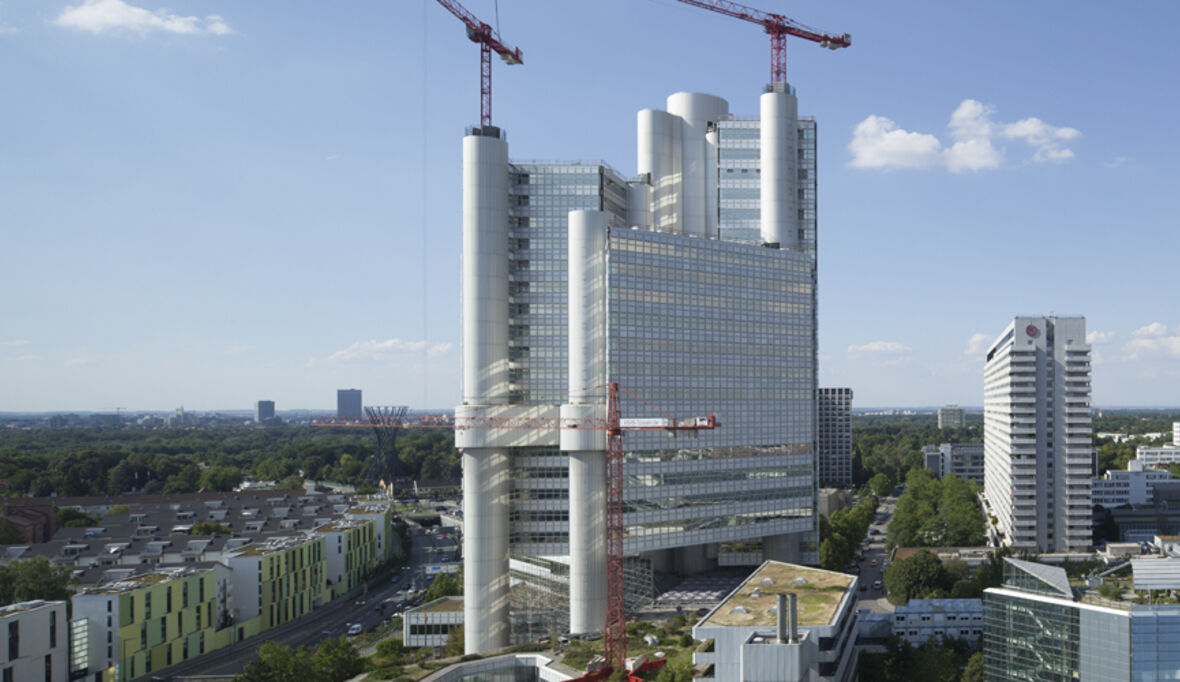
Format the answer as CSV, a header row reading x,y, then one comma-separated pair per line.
x,y
693,287
1036,433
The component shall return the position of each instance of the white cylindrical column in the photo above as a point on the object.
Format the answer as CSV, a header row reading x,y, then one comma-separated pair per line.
x,y
659,154
695,111
780,163
485,549
639,196
586,447
485,382
485,270
587,541
712,197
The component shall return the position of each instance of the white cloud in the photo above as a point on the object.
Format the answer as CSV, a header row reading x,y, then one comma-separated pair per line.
x,y
891,347
377,351
1116,162
15,342
877,142
1049,141
1152,330
971,121
1157,345
102,16
977,344
1099,337
8,30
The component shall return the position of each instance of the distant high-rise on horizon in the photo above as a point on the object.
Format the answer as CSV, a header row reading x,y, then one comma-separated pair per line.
x,y
348,404
263,410
952,417
1036,434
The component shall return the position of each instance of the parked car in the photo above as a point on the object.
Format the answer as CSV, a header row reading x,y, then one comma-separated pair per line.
x,y
355,629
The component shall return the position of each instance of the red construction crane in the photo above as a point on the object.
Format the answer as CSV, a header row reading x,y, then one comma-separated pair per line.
x,y
614,631
488,39
779,27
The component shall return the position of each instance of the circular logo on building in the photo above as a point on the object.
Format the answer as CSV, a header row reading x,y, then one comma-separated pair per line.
x,y
1031,330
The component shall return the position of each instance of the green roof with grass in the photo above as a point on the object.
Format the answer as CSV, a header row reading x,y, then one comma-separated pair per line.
x,y
819,593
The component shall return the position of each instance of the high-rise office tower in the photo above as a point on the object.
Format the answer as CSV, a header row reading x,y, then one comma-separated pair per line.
x,y
263,410
348,404
952,417
1036,433
835,437
697,295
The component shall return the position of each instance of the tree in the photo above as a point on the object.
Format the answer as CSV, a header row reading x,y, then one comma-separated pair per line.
x,y
445,585
278,663
10,533
68,517
881,484
917,576
35,578
211,528
338,659
221,478
455,642
292,482
974,670
185,480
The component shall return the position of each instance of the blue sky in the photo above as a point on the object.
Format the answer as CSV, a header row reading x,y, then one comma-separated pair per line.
x,y
209,203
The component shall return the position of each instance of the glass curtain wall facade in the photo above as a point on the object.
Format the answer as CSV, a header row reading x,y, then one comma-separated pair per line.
x,y
700,326
1035,628
739,180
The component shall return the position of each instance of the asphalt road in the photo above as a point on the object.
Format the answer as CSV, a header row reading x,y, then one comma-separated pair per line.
x,y
874,599
368,606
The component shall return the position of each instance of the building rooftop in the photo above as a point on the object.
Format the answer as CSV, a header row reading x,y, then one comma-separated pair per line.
x,y
441,605
940,605
819,593
21,607
152,577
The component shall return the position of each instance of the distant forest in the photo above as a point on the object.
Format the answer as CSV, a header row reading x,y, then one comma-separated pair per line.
x,y
109,461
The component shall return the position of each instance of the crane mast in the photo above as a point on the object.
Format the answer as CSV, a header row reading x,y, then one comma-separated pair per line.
x,y
489,41
779,27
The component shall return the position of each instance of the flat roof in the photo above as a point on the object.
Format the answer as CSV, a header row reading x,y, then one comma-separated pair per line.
x,y
441,605
819,595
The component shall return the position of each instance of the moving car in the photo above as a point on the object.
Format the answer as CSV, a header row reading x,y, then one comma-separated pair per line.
x,y
355,629
876,584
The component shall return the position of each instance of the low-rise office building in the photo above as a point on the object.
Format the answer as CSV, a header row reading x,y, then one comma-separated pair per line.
x,y
964,460
750,642
431,623
1134,486
921,619
1151,456
37,642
